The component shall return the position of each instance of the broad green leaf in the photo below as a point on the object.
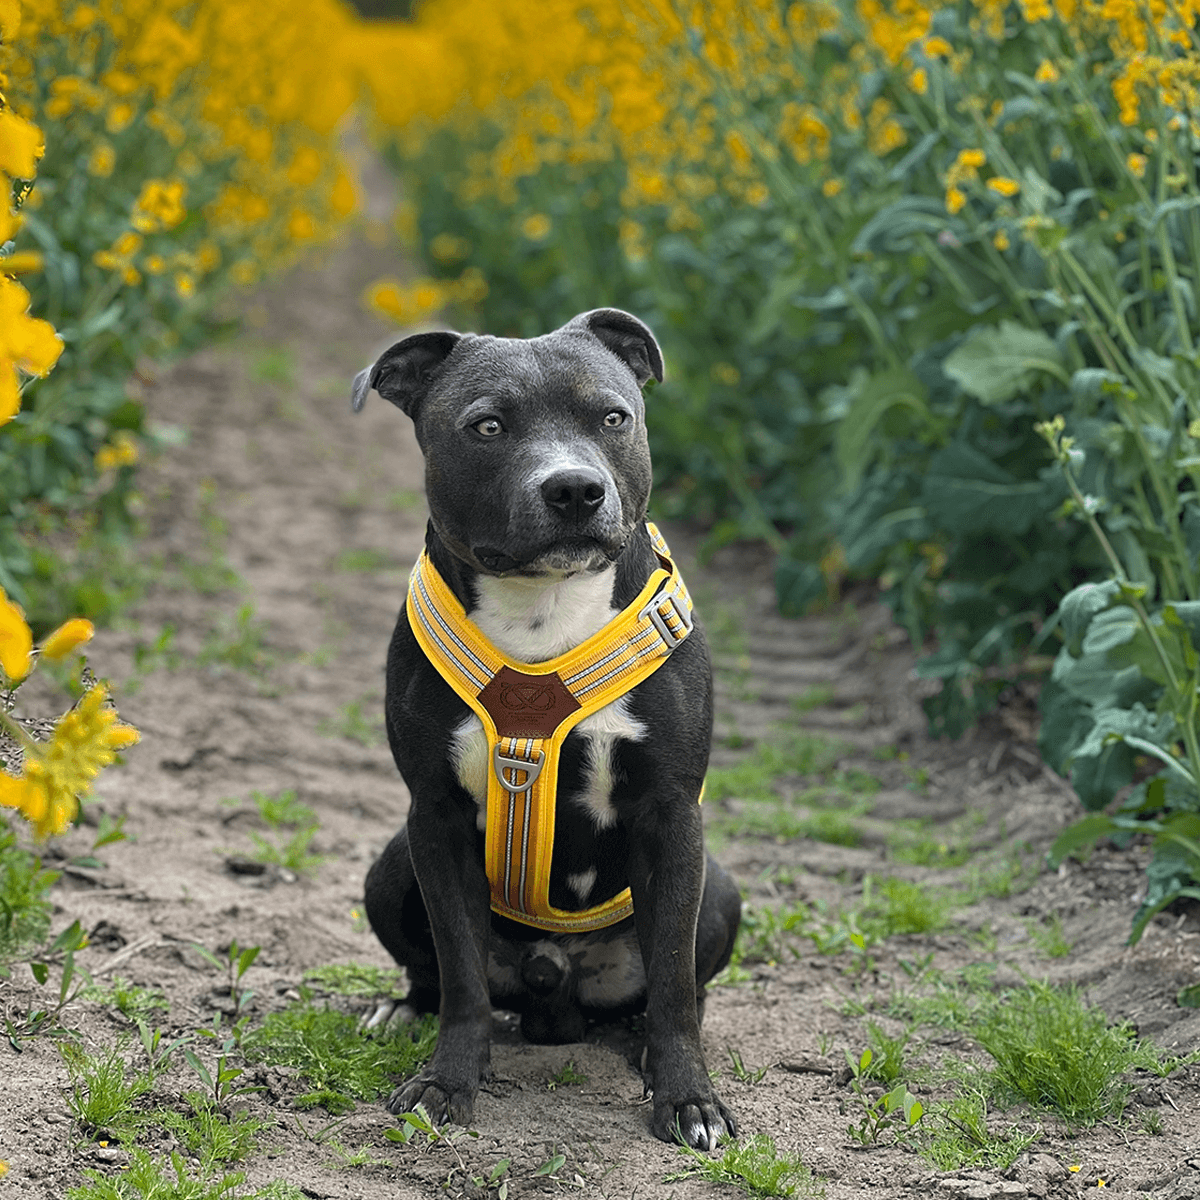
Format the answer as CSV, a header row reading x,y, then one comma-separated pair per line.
x,y
997,363
1083,833
854,441
965,492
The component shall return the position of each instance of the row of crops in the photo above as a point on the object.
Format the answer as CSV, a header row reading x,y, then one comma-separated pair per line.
x,y
925,277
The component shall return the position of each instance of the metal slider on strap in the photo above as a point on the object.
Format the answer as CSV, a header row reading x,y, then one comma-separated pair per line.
x,y
504,762
653,610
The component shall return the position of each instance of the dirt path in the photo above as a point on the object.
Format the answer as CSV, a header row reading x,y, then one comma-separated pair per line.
x,y
275,683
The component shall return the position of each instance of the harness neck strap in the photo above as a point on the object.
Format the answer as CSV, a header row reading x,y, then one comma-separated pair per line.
x,y
527,710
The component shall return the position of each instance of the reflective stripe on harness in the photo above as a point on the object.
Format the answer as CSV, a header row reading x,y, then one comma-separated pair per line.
x,y
527,710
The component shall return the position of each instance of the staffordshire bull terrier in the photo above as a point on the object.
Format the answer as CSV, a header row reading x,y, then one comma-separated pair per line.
x,y
549,705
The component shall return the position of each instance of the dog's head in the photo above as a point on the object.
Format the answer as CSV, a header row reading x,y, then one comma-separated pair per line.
x,y
536,460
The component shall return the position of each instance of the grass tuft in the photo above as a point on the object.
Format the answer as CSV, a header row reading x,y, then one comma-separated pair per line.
x,y
755,1166
339,1063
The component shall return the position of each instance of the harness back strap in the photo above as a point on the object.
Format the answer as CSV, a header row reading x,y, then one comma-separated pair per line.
x,y
527,710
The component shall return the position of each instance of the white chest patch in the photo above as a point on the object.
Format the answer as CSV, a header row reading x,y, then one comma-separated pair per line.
x,y
532,621
602,731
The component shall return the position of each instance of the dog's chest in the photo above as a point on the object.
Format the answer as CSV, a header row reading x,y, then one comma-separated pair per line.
x,y
534,624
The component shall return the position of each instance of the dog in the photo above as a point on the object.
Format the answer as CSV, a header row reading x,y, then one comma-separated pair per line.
x,y
537,550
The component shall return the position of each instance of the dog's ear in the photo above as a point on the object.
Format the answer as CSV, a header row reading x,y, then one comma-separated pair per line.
x,y
627,337
404,372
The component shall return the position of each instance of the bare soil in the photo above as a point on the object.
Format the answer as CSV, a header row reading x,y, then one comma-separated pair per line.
x,y
320,515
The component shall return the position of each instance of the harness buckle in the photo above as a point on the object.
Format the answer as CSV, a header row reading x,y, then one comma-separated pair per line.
x,y
505,762
670,637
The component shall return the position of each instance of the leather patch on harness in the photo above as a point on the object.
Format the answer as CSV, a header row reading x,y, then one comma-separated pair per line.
x,y
527,705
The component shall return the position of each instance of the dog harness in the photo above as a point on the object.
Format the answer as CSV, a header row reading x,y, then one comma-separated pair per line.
x,y
527,710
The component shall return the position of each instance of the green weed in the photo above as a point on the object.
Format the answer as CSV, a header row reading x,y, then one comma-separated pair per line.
x,y
353,723
567,1074
238,642
961,1138
339,1063
897,1110
364,560
754,1165
289,851
103,1088
1047,935
149,1179
745,1074
24,909
756,776
1055,1052
893,906
129,999
817,696
283,811
209,1134
353,979
887,1054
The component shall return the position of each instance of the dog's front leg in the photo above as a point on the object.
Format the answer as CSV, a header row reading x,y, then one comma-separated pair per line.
x,y
667,880
454,888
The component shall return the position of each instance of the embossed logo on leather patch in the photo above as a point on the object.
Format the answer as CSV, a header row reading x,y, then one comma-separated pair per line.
x,y
527,705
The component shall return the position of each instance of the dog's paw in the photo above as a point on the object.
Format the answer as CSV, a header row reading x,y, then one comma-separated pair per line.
x,y
443,1100
697,1122
388,1014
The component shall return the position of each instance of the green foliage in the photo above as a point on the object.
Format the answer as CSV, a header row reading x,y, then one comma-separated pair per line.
x,y
1055,1052
24,908
568,1073
147,1178
285,849
103,1088
892,906
353,979
959,1137
209,1134
129,999
339,1063
753,1165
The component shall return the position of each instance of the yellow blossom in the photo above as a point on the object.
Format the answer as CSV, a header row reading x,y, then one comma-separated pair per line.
x,y
185,285
67,637
26,343
21,146
1136,164
120,116
59,772
1047,72
102,160
918,80
536,226
122,451
159,206
938,47
955,199
831,187
23,262
1000,240
1004,185
16,641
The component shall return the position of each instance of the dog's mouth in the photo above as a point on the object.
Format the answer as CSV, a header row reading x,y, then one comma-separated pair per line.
x,y
570,556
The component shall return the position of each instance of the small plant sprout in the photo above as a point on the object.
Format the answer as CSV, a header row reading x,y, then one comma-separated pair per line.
x,y
566,1074
897,1110
743,1073
221,1080
754,1165
236,963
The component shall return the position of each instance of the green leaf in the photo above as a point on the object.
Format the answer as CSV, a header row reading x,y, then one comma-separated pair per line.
x,y
1083,833
998,363
966,493
855,441
1079,606
41,972
551,1165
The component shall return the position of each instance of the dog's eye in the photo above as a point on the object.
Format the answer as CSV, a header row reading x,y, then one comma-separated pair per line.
x,y
615,419
489,427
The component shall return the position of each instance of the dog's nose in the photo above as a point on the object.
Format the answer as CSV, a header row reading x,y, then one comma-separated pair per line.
x,y
574,495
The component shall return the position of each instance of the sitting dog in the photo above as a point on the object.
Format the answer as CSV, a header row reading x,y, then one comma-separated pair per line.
x,y
549,705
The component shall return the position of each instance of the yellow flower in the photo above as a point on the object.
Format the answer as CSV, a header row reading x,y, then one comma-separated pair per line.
x,y
120,116
159,206
128,243
21,145
1076,1167
67,637
155,264
122,451
938,46
26,343
971,158
57,773
15,640
955,199
1000,240
1036,10
102,160
1047,72
3,1164
185,285
301,226
1004,185
1136,164
831,187
536,226
726,373
131,276
919,81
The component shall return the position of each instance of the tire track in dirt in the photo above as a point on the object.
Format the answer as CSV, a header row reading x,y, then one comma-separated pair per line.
x,y
277,684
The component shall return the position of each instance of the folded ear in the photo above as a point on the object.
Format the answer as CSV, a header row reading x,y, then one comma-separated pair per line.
x,y
405,372
627,337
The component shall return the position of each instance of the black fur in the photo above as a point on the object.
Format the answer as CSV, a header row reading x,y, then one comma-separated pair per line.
x,y
427,895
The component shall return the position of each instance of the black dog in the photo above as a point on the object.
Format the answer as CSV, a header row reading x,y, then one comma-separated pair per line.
x,y
537,479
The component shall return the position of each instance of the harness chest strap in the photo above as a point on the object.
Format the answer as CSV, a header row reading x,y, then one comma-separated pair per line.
x,y
527,710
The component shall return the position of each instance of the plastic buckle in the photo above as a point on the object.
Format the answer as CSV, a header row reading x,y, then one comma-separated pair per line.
x,y
669,636
504,762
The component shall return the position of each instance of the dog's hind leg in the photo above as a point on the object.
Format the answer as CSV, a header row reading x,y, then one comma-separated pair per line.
x,y
716,927
397,914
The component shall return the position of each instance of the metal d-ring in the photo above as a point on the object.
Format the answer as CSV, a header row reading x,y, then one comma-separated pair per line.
x,y
505,762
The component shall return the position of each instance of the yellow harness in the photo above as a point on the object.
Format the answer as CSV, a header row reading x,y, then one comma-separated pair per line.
x,y
527,710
